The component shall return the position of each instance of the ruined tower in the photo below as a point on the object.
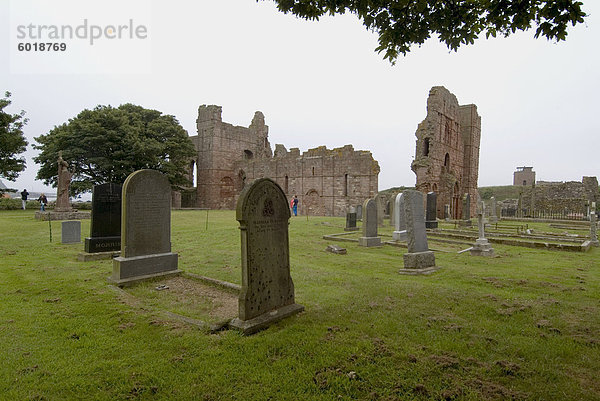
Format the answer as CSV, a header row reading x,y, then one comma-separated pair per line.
x,y
447,152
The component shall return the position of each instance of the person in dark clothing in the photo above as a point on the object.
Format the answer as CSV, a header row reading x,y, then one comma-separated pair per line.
x,y
24,196
43,202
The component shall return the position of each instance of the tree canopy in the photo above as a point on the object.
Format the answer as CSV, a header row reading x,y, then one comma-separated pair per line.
x,y
12,141
107,144
403,23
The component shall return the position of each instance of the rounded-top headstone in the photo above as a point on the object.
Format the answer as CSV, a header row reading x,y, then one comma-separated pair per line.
x,y
146,214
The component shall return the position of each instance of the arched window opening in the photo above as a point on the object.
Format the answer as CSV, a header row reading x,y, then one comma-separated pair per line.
x,y
426,147
524,182
447,134
248,154
345,184
434,188
313,171
447,162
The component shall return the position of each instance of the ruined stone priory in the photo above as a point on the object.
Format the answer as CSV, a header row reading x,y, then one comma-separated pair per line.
x,y
267,293
447,152
327,182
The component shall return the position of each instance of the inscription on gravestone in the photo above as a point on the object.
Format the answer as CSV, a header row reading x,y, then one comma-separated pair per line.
x,y
145,229
105,227
267,293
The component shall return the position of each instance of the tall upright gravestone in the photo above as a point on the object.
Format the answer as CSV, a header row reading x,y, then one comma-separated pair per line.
x,y
431,214
351,220
593,226
145,229
267,293
399,233
419,259
369,226
466,211
105,227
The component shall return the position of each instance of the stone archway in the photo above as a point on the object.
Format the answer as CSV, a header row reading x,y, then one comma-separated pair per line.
x,y
312,204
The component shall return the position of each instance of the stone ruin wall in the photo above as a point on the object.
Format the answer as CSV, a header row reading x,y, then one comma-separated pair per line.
x,y
327,182
447,152
570,196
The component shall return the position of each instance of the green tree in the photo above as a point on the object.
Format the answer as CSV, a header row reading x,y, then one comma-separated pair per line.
x,y
107,144
12,141
403,23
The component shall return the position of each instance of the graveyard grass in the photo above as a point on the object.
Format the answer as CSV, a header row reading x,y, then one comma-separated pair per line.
x,y
523,325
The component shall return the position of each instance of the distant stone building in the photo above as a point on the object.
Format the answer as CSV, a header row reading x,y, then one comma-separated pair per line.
x,y
447,152
327,182
524,176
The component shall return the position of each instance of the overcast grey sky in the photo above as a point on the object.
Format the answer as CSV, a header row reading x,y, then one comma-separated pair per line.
x,y
321,83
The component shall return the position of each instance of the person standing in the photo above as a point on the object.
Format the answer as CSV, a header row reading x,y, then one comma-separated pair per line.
x,y
24,196
295,205
43,202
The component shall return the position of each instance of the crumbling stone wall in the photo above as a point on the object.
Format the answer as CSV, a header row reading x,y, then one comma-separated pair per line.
x,y
447,152
327,182
572,196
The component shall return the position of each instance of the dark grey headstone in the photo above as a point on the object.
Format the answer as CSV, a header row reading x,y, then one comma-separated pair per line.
x,y
418,256
71,232
105,227
145,229
351,222
431,216
359,212
267,293
369,226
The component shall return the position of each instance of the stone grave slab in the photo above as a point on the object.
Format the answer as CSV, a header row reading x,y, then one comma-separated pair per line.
x,y
105,227
145,229
369,227
71,232
267,293
431,215
399,233
418,259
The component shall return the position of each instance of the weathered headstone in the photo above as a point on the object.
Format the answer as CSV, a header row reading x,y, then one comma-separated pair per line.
x,y
369,226
62,188
419,259
399,233
71,232
380,208
145,229
351,220
267,293
446,212
482,246
105,227
493,210
466,211
431,215
593,226
358,212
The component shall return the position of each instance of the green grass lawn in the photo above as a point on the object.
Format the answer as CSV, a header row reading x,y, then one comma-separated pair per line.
x,y
523,325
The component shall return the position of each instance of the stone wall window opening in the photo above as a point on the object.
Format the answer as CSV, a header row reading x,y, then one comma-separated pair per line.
x,y
524,182
447,133
426,147
447,163
286,185
194,173
313,171
248,154
345,184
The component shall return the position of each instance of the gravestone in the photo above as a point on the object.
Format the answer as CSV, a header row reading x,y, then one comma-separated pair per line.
x,y
267,293
62,188
71,232
105,227
338,250
359,212
351,220
145,229
447,212
466,211
419,259
482,246
431,216
379,208
369,226
399,233
493,210
593,226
